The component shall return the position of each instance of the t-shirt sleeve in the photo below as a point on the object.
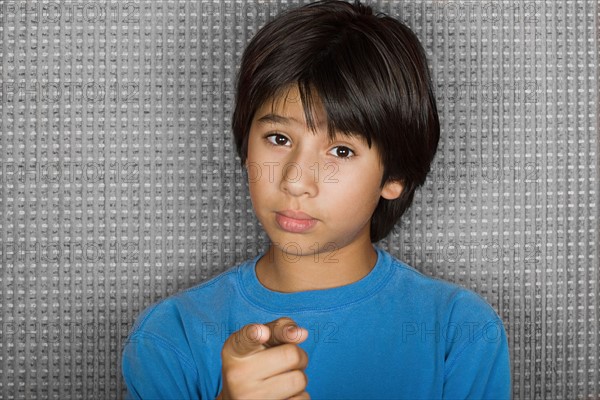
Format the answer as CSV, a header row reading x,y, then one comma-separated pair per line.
x,y
153,368
479,367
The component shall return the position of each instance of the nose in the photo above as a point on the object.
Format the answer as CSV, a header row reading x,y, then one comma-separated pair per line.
x,y
300,178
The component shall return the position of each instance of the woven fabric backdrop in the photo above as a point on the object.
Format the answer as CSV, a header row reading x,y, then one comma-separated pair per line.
x,y
120,184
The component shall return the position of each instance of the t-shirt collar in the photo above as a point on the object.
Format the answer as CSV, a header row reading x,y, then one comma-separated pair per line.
x,y
312,300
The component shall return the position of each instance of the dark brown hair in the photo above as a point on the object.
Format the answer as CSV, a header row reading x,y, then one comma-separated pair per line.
x,y
370,73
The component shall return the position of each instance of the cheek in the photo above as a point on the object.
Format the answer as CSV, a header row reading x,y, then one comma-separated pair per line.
x,y
255,188
356,190
259,187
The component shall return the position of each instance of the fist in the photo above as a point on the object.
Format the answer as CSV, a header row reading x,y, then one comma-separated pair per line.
x,y
264,361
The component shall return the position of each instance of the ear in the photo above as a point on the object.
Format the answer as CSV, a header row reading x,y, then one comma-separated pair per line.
x,y
392,190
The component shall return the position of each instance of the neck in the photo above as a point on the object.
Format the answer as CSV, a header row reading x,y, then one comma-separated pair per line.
x,y
319,269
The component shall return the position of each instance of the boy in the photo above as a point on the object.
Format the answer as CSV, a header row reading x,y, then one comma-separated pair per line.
x,y
336,124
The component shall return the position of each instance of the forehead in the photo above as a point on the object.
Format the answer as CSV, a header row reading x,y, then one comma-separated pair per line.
x,y
287,108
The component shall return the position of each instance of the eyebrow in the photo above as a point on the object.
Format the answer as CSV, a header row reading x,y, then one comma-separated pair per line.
x,y
277,119
280,119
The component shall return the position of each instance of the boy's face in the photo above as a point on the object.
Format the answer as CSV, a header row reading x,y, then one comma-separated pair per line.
x,y
291,168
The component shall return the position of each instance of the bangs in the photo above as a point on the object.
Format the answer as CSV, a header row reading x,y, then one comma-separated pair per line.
x,y
337,118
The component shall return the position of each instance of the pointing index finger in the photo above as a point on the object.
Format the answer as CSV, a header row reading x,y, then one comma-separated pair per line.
x,y
248,340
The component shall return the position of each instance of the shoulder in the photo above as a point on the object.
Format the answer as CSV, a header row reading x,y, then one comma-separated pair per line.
x,y
450,301
470,330
163,317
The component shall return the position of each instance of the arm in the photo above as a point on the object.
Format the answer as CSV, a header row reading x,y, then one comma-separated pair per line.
x,y
153,368
480,367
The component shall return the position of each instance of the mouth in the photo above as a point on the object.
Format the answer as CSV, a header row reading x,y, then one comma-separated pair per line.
x,y
295,221
298,215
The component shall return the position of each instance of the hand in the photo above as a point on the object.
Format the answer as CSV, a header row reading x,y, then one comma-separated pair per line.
x,y
263,361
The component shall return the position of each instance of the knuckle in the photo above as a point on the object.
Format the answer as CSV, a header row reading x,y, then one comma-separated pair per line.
x,y
282,321
304,357
291,354
298,379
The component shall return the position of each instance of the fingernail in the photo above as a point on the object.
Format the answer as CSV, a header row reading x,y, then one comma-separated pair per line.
x,y
292,331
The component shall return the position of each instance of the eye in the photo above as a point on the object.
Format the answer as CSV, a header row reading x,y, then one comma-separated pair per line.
x,y
343,152
279,139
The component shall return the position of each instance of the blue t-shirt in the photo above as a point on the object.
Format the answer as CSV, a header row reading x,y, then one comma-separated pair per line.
x,y
394,334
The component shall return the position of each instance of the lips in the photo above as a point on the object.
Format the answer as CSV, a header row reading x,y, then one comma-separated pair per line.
x,y
296,215
295,221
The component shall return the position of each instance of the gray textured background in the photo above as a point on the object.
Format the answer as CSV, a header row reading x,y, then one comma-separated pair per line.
x,y
120,184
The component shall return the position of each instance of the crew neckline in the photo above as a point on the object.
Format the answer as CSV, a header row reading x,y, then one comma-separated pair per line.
x,y
313,300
